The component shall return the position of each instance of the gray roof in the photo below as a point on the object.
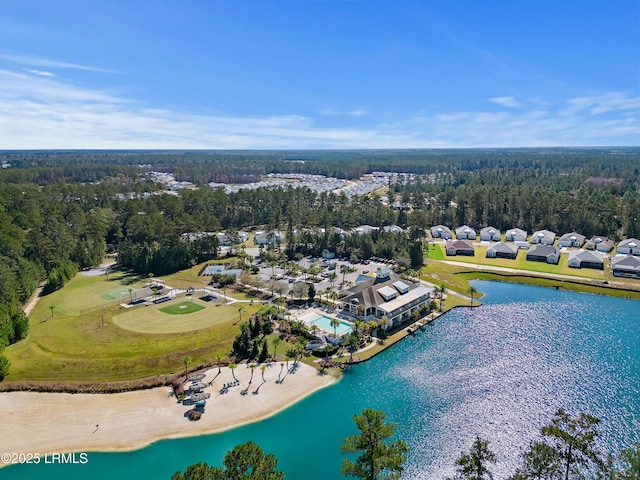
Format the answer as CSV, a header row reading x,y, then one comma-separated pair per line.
x,y
517,231
464,229
540,250
460,244
437,228
625,263
629,242
587,256
573,236
490,231
546,234
368,293
502,247
393,229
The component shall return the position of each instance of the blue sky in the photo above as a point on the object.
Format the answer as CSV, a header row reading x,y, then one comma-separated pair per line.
x,y
318,74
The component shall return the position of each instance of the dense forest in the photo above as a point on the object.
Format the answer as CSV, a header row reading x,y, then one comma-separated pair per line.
x,y
61,211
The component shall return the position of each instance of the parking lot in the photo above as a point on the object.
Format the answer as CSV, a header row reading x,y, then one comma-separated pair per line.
x,y
324,268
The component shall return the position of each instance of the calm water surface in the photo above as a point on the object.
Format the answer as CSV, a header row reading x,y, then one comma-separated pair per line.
x,y
499,371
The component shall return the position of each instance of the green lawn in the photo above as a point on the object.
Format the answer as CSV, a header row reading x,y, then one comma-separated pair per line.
x,y
83,341
182,308
171,318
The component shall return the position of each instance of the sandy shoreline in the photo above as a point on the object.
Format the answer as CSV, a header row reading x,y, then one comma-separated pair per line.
x,y
63,422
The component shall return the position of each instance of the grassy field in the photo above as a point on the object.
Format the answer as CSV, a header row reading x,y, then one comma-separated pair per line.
x,y
521,263
182,308
83,342
156,320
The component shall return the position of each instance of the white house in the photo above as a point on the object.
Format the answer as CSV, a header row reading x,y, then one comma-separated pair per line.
x,y
601,244
544,237
364,229
268,238
392,229
502,250
544,253
515,235
572,239
586,259
630,246
440,231
625,266
488,234
465,233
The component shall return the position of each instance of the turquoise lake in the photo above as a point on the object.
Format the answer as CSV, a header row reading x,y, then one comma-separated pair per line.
x,y
498,371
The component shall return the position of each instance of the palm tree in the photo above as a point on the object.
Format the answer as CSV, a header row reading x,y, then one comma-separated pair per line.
x,y
275,342
240,310
219,364
262,369
280,373
186,361
252,366
472,292
343,270
232,367
332,278
335,323
442,290
385,322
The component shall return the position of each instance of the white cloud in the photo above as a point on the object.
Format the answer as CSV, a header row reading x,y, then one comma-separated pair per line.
x,y
509,102
44,112
42,73
32,60
357,112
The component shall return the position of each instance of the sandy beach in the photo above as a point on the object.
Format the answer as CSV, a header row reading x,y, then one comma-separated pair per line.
x,y
61,422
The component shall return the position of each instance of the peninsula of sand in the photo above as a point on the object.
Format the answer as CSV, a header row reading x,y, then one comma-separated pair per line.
x,y
62,422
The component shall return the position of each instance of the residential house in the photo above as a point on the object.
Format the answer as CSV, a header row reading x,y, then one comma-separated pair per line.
x,y
543,253
393,229
545,237
489,234
385,296
630,246
459,247
502,250
228,239
586,259
601,244
625,266
268,238
440,231
572,239
515,235
465,233
364,229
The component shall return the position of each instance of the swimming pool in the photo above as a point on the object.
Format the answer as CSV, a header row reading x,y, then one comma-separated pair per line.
x,y
324,322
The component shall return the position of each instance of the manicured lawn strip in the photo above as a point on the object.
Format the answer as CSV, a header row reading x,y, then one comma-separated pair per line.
x,y
182,308
434,252
440,273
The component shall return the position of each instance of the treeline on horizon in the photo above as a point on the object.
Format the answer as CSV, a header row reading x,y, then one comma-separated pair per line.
x,y
202,167
60,211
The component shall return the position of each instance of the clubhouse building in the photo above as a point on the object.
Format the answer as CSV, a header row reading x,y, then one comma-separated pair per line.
x,y
385,296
